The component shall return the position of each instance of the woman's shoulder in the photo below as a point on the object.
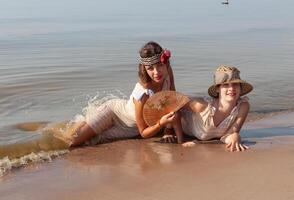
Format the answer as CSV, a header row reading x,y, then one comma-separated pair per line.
x,y
244,99
243,106
244,102
202,100
139,91
198,104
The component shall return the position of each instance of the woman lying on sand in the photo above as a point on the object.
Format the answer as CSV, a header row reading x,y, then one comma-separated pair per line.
x,y
121,119
221,115
116,118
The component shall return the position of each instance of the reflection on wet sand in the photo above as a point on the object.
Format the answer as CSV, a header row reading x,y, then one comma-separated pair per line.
x,y
136,169
137,157
132,156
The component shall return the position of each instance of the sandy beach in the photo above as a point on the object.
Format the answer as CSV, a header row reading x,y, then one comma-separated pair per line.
x,y
145,169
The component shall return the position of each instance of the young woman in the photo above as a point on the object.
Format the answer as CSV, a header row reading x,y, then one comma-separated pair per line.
x,y
118,118
222,115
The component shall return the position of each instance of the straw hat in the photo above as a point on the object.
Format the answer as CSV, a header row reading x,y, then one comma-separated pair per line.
x,y
161,104
226,74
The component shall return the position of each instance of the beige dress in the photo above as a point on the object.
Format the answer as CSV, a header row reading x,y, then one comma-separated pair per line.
x,y
115,119
201,125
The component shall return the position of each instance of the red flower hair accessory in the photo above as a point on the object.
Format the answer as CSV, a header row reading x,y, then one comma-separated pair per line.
x,y
165,56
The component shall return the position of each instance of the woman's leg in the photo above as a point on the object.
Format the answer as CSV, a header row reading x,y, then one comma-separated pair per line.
x,y
116,132
81,132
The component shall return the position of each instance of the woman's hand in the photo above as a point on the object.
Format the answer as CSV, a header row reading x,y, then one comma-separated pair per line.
x,y
173,132
234,143
168,135
166,119
168,139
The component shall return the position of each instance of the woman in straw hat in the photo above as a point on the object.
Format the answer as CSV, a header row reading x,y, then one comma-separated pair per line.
x,y
223,114
120,119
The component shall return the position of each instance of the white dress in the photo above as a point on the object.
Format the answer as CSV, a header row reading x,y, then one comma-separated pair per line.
x,y
201,125
115,119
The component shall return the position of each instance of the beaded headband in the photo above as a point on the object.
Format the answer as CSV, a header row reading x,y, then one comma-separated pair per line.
x,y
162,57
151,60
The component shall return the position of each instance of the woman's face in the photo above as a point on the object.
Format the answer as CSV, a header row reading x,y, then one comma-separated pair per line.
x,y
230,91
157,72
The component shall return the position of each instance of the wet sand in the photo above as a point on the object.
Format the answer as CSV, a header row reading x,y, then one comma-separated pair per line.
x,y
145,169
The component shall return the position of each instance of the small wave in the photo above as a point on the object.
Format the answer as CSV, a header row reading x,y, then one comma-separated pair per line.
x,y
262,114
46,142
37,143
7,164
30,126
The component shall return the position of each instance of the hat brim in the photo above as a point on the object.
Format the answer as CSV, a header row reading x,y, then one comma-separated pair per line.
x,y
245,88
161,104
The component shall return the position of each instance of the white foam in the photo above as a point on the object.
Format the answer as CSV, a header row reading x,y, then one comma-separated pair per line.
x,y
94,102
7,164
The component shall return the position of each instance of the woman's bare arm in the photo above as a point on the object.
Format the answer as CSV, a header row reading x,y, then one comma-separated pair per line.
x,y
233,139
196,105
145,130
239,121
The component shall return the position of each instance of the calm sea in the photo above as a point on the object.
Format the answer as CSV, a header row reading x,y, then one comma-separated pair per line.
x,y
57,55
